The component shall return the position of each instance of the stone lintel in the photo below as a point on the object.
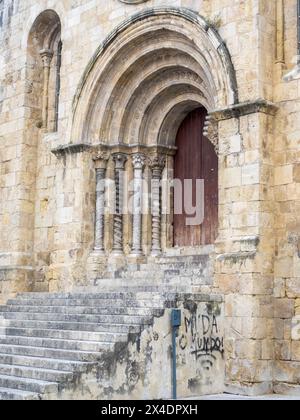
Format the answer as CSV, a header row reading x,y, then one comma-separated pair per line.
x,y
245,108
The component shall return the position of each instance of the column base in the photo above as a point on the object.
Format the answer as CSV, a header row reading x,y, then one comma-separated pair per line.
x,y
117,253
99,252
138,258
156,253
116,261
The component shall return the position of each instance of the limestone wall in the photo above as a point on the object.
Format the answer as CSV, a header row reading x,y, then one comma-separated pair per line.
x,y
287,222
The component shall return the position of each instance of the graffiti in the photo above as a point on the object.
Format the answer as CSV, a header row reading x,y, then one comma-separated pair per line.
x,y
201,346
202,332
208,345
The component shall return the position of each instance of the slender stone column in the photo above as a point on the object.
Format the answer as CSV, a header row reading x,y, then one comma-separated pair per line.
x,y
138,162
46,56
120,160
101,166
279,32
157,165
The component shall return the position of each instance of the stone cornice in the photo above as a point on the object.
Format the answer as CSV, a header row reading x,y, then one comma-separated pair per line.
x,y
75,148
245,108
71,149
134,149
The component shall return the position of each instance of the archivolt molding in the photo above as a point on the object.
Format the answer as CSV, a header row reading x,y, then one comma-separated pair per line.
x,y
154,118
160,63
124,101
145,106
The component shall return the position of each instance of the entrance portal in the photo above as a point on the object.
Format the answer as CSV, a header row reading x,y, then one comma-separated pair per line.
x,y
196,159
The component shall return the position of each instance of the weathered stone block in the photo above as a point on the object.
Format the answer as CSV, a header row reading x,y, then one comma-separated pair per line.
x,y
251,174
287,372
283,175
282,350
284,308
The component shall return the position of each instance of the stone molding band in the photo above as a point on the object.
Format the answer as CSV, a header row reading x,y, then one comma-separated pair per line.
x,y
245,108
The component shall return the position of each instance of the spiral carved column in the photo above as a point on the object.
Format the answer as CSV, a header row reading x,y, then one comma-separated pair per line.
x,y
157,165
120,160
138,162
101,166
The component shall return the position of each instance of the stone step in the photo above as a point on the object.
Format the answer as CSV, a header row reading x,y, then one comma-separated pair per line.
x,y
84,310
108,336
78,318
44,363
165,266
32,385
74,326
50,353
186,259
113,295
88,302
169,285
15,394
36,373
159,293
93,346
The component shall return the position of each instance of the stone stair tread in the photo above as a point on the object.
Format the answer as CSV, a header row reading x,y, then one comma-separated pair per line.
x,y
51,340
151,303
61,334
73,310
65,324
78,318
25,368
17,394
63,351
78,363
103,295
17,382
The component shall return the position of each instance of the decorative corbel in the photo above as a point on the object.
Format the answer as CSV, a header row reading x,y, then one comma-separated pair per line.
x,y
211,131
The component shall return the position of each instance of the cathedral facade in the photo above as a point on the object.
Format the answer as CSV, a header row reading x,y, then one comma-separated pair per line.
x,y
107,108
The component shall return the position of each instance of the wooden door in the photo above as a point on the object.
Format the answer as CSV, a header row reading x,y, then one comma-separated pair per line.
x,y
196,159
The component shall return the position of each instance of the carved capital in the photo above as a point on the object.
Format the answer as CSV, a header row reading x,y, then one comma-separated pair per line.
x,y
120,160
157,162
138,161
101,158
46,56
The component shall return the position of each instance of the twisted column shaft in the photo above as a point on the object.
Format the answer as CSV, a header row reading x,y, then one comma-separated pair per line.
x,y
120,160
100,206
101,160
157,166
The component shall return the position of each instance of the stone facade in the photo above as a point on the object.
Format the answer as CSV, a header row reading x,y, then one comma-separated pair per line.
x,y
108,101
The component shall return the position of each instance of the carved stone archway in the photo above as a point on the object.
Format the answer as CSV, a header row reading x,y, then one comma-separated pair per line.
x,y
141,83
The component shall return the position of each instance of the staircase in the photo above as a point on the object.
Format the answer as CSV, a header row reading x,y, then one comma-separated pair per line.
x,y
47,341
52,344
182,273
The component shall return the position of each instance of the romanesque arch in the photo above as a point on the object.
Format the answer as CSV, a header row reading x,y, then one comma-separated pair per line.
x,y
138,88
43,68
148,68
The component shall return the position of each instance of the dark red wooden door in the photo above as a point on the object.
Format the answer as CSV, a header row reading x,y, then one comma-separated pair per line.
x,y
196,159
